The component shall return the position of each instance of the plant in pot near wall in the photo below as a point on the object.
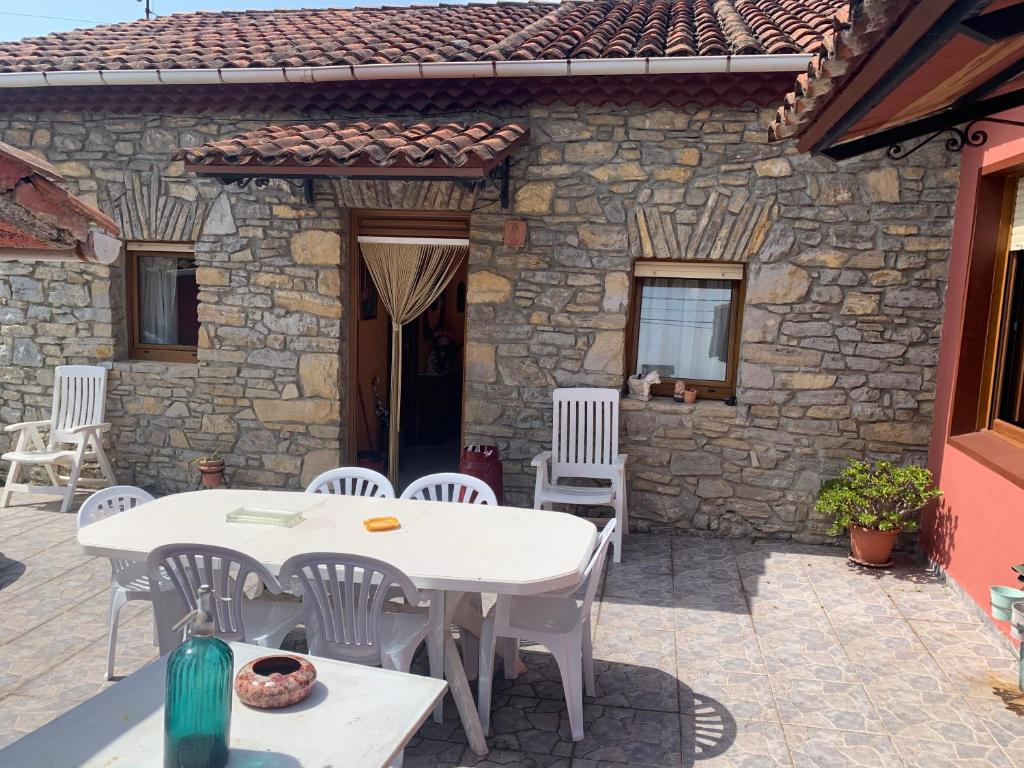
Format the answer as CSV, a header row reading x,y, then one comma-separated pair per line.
x,y
875,502
211,470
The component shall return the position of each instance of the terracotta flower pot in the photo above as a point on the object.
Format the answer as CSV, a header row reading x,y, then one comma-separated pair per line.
x,y
212,473
869,547
689,395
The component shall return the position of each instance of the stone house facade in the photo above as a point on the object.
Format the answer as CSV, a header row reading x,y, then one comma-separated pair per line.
x,y
845,270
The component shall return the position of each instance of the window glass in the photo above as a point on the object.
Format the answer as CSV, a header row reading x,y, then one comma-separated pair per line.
x,y
1010,383
684,327
167,300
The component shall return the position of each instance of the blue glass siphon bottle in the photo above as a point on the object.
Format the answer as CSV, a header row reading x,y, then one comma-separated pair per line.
x,y
197,712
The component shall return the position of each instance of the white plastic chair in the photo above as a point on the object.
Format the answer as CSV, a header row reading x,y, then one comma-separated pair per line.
x,y
128,578
352,481
584,444
451,486
558,621
76,420
343,600
258,620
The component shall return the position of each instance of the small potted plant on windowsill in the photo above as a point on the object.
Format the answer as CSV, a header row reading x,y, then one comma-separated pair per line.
x,y
211,470
875,502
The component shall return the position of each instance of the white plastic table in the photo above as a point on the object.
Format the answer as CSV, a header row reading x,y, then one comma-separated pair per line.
x,y
356,716
444,547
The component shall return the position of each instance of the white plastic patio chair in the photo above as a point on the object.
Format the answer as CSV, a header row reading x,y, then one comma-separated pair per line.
x,y
352,481
451,486
128,578
343,601
75,430
584,444
558,621
230,574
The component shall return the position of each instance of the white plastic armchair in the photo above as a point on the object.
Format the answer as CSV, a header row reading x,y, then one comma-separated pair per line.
x,y
451,486
230,574
128,579
343,600
584,445
352,481
75,436
560,622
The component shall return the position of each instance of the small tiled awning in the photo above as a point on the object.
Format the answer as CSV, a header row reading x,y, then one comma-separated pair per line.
x,y
360,149
40,220
897,70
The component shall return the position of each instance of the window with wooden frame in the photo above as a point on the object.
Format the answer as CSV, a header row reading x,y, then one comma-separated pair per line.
x,y
163,302
1003,386
685,324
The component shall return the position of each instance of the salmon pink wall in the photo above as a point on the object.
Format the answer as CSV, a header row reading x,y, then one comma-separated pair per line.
x,y
976,532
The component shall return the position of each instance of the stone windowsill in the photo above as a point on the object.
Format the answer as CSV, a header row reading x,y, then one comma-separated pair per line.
x,y
158,367
715,408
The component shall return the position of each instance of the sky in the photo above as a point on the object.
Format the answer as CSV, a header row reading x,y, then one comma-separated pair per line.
x,y
20,19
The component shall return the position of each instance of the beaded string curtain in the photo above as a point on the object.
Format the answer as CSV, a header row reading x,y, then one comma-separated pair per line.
x,y
409,273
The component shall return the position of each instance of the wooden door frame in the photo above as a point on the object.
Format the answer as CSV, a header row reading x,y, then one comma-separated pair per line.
x,y
390,223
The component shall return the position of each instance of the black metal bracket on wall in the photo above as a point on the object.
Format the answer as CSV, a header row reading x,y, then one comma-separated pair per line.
x,y
260,182
500,175
968,136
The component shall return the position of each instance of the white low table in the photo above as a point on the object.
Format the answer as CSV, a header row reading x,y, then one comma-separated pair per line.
x,y
444,547
356,716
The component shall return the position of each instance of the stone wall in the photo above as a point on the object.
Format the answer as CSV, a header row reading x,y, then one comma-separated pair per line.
x,y
845,264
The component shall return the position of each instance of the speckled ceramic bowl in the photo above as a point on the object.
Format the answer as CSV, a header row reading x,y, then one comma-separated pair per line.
x,y
271,682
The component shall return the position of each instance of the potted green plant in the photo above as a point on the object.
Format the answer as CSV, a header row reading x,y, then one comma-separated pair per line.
x,y
211,470
875,502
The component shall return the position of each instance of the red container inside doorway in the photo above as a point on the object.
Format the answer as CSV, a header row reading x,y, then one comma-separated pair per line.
x,y
484,462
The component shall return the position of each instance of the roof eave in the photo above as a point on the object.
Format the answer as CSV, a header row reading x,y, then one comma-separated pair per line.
x,y
755,63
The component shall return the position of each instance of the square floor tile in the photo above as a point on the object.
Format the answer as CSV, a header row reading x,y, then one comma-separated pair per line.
x,y
1002,714
912,670
633,686
742,695
730,650
630,736
743,744
820,704
920,715
810,654
825,748
940,753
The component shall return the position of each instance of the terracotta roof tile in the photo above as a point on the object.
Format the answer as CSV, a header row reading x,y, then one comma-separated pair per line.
x,y
580,29
855,33
381,145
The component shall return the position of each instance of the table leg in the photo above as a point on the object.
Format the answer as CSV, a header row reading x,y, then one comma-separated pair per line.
x,y
459,686
437,629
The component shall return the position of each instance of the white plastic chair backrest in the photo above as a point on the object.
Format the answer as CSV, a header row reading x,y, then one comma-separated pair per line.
x,y
584,432
79,392
107,503
352,481
342,599
585,591
451,486
226,571
594,569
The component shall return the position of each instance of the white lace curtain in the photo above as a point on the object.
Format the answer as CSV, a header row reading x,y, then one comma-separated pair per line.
x,y
409,273
158,300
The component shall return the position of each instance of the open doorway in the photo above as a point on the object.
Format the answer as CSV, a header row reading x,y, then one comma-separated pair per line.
x,y
432,357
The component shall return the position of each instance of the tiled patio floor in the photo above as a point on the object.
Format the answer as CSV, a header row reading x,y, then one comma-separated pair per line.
x,y
709,653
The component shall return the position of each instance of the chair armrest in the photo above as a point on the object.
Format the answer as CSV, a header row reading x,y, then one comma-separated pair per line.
x,y
27,425
620,460
541,459
89,428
